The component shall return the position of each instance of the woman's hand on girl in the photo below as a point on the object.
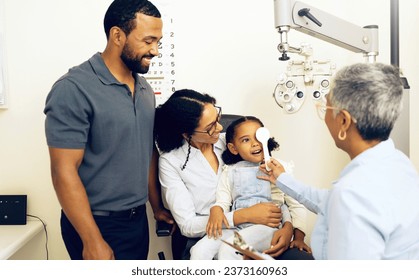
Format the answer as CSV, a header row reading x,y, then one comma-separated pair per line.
x,y
280,241
265,213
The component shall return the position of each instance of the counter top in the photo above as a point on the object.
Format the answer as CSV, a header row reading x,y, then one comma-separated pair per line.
x,y
14,237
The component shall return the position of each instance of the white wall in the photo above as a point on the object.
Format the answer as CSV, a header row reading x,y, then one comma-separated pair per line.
x,y
224,48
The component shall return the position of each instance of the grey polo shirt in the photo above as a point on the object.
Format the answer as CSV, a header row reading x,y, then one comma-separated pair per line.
x,y
89,109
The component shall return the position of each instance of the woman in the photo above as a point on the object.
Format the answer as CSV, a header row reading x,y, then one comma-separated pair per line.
x,y
372,211
187,132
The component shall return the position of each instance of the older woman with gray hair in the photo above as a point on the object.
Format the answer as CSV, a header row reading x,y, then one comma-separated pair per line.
x,y
372,210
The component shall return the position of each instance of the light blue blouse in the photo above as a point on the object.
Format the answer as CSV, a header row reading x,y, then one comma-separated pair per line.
x,y
372,211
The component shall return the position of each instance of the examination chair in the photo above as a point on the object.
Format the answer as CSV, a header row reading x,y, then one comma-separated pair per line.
x,y
180,244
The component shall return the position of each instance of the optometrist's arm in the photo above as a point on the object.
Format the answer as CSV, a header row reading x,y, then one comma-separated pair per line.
x,y
310,197
72,196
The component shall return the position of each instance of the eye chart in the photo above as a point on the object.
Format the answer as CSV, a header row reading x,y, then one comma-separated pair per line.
x,y
162,74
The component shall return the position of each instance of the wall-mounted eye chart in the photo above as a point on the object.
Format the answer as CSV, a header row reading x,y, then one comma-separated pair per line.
x,y
162,73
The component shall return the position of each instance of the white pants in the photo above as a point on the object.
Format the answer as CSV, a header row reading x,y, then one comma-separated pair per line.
x,y
207,248
257,236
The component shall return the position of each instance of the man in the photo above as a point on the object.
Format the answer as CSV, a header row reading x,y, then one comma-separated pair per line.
x,y
99,129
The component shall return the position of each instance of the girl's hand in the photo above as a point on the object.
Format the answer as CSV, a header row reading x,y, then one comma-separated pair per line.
x,y
215,222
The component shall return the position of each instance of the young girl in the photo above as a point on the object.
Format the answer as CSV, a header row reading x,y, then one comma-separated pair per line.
x,y
239,188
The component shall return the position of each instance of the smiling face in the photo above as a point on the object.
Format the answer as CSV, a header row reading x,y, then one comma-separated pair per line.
x,y
209,128
245,143
142,43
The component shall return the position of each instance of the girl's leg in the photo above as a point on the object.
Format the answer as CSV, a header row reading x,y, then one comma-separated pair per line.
x,y
207,248
257,236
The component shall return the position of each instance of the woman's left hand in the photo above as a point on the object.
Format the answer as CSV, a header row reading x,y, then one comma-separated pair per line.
x,y
280,241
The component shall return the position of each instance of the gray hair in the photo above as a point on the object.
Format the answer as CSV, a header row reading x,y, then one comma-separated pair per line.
x,y
372,93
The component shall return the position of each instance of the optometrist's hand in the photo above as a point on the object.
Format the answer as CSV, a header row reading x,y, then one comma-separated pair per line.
x,y
276,170
215,222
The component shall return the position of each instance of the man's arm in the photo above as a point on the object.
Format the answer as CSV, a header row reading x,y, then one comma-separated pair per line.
x,y
74,202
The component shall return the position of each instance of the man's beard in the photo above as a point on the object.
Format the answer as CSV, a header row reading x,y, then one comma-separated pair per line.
x,y
132,62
